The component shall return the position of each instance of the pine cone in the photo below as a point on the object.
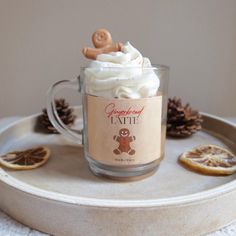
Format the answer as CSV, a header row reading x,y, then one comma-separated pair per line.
x,y
182,121
64,112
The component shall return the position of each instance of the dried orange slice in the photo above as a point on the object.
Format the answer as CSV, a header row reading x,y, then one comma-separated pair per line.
x,y
25,160
210,159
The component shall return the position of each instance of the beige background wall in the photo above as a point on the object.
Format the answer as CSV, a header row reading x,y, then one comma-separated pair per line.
x,y
41,41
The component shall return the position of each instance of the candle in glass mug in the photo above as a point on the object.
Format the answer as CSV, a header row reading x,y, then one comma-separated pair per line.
x,y
124,110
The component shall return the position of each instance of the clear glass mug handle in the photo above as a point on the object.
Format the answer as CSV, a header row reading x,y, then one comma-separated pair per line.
x,y
75,136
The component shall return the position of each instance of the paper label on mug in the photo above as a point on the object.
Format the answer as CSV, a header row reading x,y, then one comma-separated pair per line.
x,y
124,132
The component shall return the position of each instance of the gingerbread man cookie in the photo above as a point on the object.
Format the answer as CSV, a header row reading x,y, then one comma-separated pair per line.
x,y
102,41
124,139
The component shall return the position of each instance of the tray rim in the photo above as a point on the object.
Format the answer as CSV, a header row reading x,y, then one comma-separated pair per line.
x,y
212,193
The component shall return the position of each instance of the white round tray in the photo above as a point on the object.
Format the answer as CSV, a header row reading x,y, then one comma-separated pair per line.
x,y
64,198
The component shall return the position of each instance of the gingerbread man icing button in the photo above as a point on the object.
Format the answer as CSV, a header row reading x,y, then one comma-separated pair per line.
x,y
102,41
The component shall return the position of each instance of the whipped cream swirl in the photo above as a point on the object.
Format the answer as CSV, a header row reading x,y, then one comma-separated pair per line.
x,y
124,74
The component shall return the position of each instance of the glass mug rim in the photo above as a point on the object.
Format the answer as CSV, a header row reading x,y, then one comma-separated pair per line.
x,y
155,67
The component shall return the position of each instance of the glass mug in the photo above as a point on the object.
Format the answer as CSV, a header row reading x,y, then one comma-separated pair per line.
x,y
123,138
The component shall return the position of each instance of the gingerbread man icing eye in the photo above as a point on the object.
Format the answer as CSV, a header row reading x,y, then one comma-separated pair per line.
x,y
101,38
